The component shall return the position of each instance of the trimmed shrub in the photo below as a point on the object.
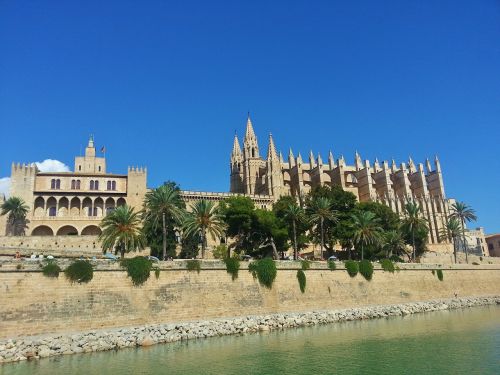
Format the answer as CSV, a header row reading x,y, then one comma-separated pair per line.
x,y
366,269
475,263
19,267
396,259
305,265
157,272
331,265
80,271
193,265
351,267
439,274
232,267
264,270
387,265
301,277
51,269
138,269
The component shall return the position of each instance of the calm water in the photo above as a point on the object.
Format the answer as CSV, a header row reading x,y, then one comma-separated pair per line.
x,y
448,342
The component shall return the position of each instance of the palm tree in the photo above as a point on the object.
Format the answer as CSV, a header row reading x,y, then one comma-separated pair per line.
x,y
295,214
319,211
16,209
451,232
393,243
121,231
366,229
163,205
463,212
413,222
205,217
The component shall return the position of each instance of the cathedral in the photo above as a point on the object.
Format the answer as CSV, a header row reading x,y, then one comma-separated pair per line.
x,y
383,182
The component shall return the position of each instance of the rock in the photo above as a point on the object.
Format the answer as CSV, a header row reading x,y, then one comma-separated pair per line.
x,y
146,341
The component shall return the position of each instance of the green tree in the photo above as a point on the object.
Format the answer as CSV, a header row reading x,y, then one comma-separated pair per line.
x,y
451,232
16,210
163,208
366,230
414,224
121,231
320,210
294,214
268,233
394,243
463,212
204,219
239,215
389,220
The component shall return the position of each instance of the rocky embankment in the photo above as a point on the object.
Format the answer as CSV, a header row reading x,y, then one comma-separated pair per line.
x,y
26,348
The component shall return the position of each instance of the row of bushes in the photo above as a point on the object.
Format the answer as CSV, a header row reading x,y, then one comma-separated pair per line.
x,y
80,271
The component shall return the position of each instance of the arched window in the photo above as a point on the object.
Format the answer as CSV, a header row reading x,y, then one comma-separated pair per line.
x,y
79,167
108,185
73,184
99,168
58,184
95,212
91,185
253,152
77,184
96,185
52,211
113,185
53,183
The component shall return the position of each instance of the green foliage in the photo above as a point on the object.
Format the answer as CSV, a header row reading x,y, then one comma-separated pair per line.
x,y
189,247
220,252
193,265
51,269
19,267
388,219
138,269
387,265
305,264
80,271
301,277
366,230
475,263
351,267
439,274
157,272
331,265
264,270
122,231
396,259
232,266
366,269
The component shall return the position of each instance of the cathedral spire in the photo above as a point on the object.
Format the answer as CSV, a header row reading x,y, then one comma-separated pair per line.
x,y
312,163
91,141
411,165
250,144
320,161
357,161
428,165
291,158
271,150
331,160
437,164
236,153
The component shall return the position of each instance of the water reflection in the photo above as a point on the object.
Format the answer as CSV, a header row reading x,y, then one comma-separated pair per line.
x,y
446,342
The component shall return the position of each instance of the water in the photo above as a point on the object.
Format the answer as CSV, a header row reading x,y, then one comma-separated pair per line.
x,y
447,342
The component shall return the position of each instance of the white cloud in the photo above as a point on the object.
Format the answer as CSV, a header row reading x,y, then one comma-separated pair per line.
x,y
4,186
48,165
51,165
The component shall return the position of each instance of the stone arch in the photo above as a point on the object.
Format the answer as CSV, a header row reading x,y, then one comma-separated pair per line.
x,y
120,202
63,209
87,206
98,207
75,206
91,230
109,206
67,230
42,230
39,207
51,206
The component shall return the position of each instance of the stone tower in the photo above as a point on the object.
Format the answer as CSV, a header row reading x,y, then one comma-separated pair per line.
x,y
90,163
251,161
136,186
236,167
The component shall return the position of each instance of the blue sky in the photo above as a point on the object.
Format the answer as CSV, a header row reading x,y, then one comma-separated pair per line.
x,y
166,84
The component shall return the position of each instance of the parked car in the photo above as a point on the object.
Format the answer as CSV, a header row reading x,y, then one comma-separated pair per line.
x,y
246,258
110,256
333,257
152,258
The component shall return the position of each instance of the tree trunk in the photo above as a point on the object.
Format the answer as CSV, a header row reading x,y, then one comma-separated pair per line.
x,y
295,250
275,252
203,242
454,249
362,252
465,243
413,243
164,237
322,239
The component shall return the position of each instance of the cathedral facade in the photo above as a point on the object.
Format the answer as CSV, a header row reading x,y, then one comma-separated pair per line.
x,y
383,182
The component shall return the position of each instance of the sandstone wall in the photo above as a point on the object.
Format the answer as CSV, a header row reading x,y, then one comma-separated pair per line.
x,y
34,304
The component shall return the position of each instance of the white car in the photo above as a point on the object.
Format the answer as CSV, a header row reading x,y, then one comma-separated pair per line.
x,y
333,257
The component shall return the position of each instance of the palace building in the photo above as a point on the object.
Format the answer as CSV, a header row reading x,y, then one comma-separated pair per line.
x,y
390,184
74,203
